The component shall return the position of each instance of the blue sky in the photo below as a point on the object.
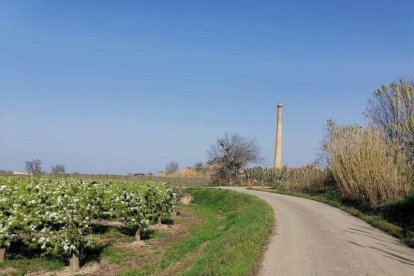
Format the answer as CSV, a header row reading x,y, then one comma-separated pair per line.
x,y
118,86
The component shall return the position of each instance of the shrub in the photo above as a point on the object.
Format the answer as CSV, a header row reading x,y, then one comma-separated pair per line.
x,y
307,178
365,167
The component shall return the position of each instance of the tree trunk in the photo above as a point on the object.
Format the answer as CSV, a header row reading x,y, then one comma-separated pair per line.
x,y
138,235
2,254
74,262
159,218
174,212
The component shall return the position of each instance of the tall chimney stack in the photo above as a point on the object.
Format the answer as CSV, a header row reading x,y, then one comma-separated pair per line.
x,y
278,146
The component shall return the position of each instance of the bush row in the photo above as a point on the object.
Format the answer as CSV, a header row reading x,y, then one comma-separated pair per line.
x,y
55,215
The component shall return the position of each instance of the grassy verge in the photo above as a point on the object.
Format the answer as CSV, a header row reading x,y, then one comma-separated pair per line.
x,y
377,220
230,240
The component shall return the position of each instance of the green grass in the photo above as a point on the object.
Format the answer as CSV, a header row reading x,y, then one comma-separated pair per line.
x,y
23,266
234,231
116,256
374,217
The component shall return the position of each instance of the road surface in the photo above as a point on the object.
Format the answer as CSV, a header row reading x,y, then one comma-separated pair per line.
x,y
312,238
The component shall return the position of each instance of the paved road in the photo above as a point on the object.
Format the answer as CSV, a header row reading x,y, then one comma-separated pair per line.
x,y
315,239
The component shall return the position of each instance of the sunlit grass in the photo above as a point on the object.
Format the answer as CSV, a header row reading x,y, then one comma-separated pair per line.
x,y
229,242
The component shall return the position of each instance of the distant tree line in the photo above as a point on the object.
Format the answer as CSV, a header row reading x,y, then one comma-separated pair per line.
x,y
34,167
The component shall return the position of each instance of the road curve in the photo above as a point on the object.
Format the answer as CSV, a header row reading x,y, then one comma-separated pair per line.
x,y
312,238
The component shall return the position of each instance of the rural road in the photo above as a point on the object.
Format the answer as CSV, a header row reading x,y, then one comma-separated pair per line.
x,y
316,239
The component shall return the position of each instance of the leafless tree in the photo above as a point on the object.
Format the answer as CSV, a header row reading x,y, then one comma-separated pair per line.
x,y
6,172
34,167
171,167
58,169
199,167
392,110
230,154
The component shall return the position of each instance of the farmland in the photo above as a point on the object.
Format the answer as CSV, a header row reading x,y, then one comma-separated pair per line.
x,y
55,215
91,226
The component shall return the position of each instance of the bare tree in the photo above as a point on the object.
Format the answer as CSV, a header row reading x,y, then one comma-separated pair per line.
x,y
392,110
198,167
171,167
58,169
6,172
34,167
230,154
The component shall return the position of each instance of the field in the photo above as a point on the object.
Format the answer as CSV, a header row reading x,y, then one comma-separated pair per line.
x,y
127,228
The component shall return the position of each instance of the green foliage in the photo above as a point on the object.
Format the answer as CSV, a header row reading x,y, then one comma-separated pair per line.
x,y
54,215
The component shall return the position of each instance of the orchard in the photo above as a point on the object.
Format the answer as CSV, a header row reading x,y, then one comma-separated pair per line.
x,y
56,215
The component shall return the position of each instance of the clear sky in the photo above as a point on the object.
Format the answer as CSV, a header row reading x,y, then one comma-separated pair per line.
x,y
118,86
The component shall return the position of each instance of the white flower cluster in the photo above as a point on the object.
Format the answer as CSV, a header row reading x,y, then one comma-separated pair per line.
x,y
55,214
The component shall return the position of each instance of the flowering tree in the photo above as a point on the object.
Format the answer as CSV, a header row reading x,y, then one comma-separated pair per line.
x,y
55,215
